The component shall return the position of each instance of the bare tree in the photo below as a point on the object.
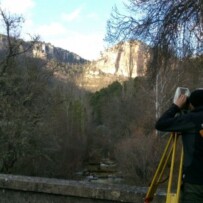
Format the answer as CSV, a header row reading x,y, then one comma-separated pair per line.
x,y
172,25
11,44
172,28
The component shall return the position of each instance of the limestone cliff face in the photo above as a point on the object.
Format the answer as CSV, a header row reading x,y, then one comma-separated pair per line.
x,y
48,51
118,63
127,59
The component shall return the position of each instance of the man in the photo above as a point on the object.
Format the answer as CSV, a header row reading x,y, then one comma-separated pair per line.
x,y
190,126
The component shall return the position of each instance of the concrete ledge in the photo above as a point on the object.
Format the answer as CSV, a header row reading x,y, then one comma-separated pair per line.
x,y
119,193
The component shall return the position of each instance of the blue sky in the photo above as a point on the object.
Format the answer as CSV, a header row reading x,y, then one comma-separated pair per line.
x,y
76,25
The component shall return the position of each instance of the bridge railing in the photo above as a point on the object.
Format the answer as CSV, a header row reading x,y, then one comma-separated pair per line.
x,y
15,188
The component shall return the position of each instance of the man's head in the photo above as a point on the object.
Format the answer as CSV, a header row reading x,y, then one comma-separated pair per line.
x,y
196,98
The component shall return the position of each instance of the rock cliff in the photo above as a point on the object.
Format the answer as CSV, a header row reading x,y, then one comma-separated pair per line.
x,y
48,51
121,62
127,59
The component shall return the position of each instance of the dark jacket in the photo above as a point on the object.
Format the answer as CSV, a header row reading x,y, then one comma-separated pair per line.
x,y
189,126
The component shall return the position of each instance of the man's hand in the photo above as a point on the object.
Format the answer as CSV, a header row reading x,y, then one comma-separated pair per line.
x,y
181,101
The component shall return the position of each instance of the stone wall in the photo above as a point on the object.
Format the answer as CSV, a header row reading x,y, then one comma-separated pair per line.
x,y
23,189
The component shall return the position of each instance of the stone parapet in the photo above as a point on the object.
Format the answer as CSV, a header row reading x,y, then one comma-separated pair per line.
x,y
66,189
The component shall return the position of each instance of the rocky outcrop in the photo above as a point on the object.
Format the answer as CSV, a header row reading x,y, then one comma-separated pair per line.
x,y
118,63
48,51
126,59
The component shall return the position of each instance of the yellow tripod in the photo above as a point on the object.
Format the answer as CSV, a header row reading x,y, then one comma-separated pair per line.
x,y
169,153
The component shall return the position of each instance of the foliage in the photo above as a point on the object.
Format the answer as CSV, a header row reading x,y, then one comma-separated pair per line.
x,y
42,120
119,113
138,157
101,97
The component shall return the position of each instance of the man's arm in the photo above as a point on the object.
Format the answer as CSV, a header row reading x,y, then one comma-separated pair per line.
x,y
168,122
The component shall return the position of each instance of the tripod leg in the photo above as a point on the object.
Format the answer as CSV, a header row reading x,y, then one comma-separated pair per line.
x,y
159,172
180,175
174,197
170,196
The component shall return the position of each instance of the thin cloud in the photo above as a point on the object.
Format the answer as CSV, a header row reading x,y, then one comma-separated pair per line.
x,y
72,16
52,29
17,6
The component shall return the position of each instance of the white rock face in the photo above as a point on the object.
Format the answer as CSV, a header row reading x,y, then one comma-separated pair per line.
x,y
126,59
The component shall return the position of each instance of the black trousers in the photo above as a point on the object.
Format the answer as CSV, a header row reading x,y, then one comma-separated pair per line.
x,y
191,193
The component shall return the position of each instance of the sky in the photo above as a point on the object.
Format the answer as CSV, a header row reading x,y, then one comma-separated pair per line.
x,y
78,26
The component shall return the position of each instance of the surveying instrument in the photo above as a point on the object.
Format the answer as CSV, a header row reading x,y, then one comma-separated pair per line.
x,y
169,154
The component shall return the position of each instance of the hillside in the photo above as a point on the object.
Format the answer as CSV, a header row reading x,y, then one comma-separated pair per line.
x,y
117,63
43,50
